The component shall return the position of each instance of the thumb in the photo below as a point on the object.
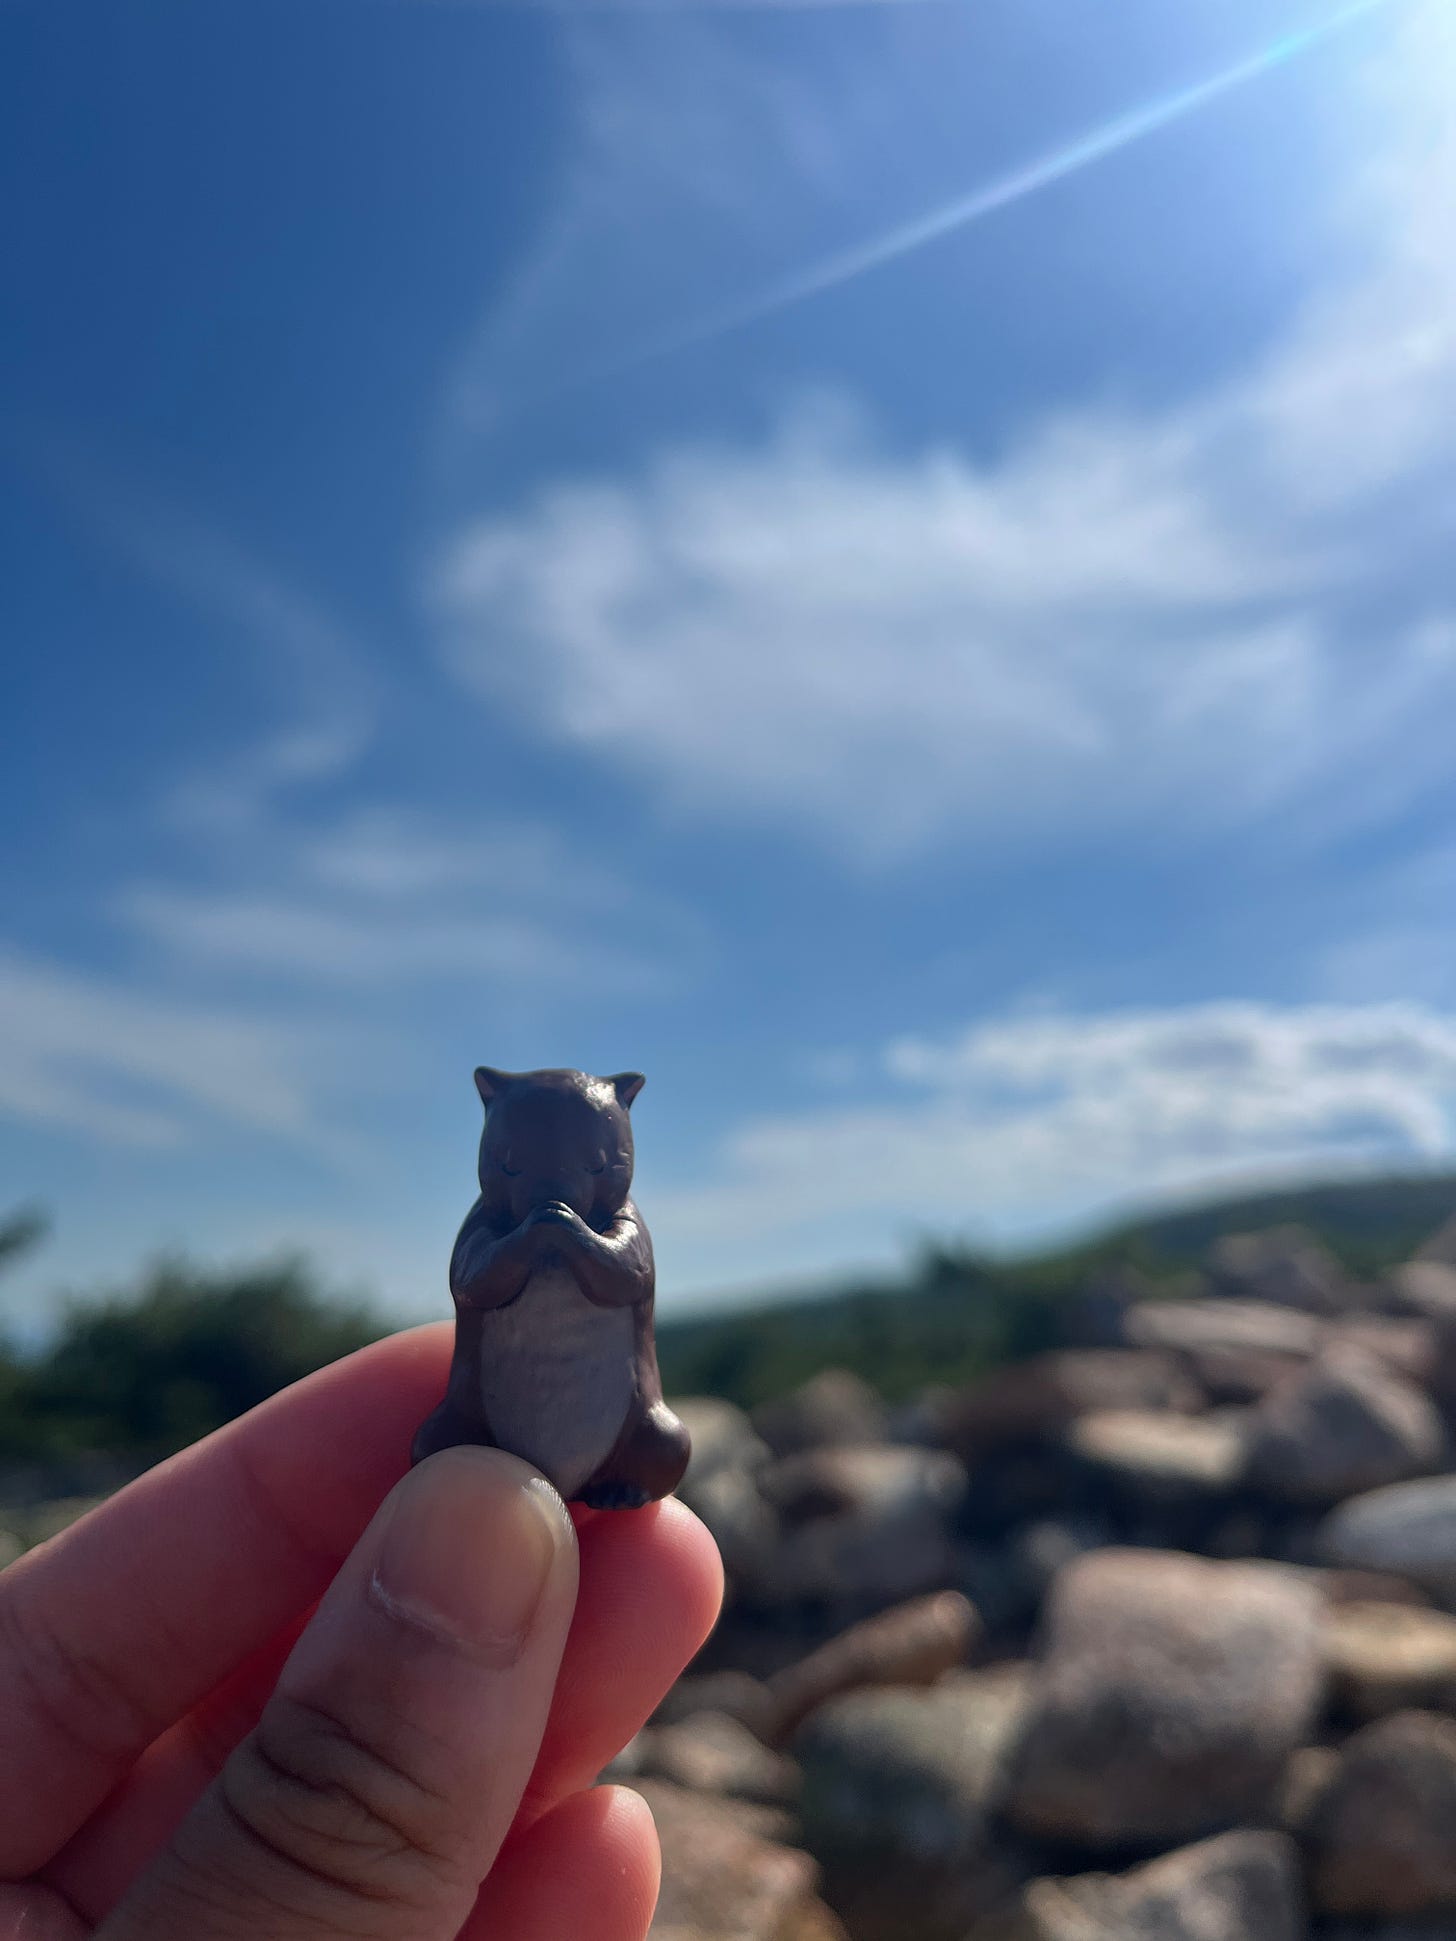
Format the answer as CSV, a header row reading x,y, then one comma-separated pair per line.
x,y
374,1794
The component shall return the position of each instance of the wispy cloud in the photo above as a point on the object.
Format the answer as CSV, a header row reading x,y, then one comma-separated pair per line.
x,y
1143,623
321,669
579,8
773,179
265,1001
178,546
682,132
388,898
1105,139
135,1066
1023,1121
384,853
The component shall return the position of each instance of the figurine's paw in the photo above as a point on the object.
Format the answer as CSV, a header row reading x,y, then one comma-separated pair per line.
x,y
615,1496
554,1212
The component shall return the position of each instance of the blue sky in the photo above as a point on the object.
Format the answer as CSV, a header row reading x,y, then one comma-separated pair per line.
x,y
847,556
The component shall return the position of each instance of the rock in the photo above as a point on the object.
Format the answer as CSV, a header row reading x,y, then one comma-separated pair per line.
x,y
863,1528
1425,1289
1038,1400
1173,1691
1235,1377
1385,1658
1011,1487
1236,1351
912,1644
1285,1266
1187,1327
1041,1550
1407,1348
1239,1887
1382,1839
1161,1458
1241,1534
1096,1315
1044,1548
743,1525
900,1790
722,1435
1370,1587
711,1753
1353,1586
1342,1425
1441,1247
736,1694
720,1487
1408,1528
1386,1931
919,1420
724,1877
997,1583
813,1921
835,1410
1306,1779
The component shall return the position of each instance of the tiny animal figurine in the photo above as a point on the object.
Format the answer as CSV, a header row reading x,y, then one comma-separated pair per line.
x,y
553,1282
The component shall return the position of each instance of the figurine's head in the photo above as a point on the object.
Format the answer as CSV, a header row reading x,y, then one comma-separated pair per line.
x,y
555,1136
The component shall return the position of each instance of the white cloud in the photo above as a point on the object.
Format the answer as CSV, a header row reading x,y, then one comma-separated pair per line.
x,y
138,1067
681,131
1022,1121
382,897
384,852
1128,623
344,948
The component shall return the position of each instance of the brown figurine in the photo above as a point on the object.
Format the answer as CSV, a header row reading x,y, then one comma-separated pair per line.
x,y
553,1282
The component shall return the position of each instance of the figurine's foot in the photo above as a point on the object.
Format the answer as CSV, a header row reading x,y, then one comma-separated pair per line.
x,y
647,1463
614,1496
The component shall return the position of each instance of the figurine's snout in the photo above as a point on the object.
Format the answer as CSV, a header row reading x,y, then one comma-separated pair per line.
x,y
563,1190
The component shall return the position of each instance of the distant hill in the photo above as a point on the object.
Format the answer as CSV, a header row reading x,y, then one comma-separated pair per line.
x,y
1368,1225
138,1370
955,1313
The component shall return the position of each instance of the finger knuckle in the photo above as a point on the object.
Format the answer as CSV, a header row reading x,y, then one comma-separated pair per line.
x,y
322,1799
65,1691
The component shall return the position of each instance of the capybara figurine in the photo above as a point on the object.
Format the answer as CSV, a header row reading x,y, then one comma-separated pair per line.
x,y
553,1282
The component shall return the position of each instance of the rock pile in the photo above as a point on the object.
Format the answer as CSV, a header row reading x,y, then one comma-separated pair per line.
x,y
1147,1640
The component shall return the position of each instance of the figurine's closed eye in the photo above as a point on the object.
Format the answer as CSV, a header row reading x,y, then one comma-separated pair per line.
x,y
510,1171
599,1164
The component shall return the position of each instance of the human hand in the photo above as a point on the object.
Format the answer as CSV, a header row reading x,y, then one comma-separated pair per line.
x,y
188,1748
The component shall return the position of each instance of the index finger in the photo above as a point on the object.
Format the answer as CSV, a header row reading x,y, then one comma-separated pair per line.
x,y
113,1630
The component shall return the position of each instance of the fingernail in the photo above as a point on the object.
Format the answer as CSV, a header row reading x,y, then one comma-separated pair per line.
x,y
469,1544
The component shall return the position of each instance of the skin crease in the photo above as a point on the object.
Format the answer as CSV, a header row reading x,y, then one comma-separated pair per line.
x,y
139,1649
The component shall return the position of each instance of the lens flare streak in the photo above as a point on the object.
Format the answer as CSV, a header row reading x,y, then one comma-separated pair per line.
x,y
1107,139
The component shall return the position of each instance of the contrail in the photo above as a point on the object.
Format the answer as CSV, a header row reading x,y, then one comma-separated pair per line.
x,y
594,9
1106,139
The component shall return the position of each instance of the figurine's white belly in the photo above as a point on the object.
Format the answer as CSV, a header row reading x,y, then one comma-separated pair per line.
x,y
557,1375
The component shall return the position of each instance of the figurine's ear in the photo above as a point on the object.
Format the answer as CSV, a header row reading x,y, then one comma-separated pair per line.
x,y
490,1083
626,1085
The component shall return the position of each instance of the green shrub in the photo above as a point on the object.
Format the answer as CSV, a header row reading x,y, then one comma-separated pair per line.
x,y
149,1369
